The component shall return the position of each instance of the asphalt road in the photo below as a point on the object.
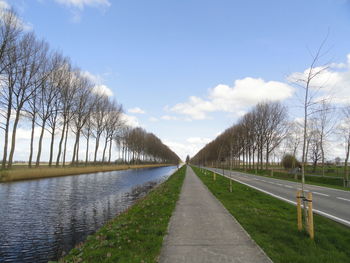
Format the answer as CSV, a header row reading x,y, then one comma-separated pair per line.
x,y
329,202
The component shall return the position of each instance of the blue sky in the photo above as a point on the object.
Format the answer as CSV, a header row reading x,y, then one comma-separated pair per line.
x,y
167,57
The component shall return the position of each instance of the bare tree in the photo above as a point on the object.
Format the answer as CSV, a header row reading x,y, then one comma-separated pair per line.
x,y
33,56
10,32
48,94
82,109
58,80
310,91
99,121
67,95
325,123
344,131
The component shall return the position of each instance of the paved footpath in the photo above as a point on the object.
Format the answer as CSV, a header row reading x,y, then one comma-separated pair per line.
x,y
202,230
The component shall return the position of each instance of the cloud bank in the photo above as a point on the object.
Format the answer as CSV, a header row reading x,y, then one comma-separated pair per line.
x,y
82,3
244,93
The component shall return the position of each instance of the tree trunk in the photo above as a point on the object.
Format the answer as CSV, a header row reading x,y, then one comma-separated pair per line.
x,y
65,146
346,173
87,149
40,144
104,150
77,154
61,141
96,147
322,157
110,151
75,147
267,156
13,142
52,144
53,130
31,143
7,128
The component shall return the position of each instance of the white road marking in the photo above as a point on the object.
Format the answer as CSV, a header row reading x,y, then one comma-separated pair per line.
x,y
317,193
341,198
288,186
338,219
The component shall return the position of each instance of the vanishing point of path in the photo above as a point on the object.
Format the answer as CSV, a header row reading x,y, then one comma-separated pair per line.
x,y
202,230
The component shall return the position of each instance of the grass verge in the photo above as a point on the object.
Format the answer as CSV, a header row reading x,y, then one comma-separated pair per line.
x,y
272,224
37,173
314,180
137,234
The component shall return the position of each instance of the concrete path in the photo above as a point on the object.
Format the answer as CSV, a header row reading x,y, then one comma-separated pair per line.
x,y
202,230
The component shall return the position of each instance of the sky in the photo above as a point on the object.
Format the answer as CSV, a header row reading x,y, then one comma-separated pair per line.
x,y
188,69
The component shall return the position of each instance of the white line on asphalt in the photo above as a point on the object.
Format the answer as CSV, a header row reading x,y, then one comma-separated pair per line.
x,y
343,199
279,184
287,186
317,193
311,185
346,222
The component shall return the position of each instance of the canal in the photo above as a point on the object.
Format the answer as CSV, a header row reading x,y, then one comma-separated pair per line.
x,y
41,220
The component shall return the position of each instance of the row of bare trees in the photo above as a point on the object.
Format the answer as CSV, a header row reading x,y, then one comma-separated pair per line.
x,y
251,141
136,145
41,87
266,131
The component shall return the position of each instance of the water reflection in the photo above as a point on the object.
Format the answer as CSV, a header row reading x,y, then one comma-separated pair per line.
x,y
41,219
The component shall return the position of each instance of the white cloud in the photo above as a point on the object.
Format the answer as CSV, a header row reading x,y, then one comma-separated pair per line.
x,y
99,88
244,93
153,119
25,134
4,5
136,110
82,3
103,90
169,118
97,79
130,120
198,140
190,147
333,82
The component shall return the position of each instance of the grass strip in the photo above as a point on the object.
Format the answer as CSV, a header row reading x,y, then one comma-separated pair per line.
x,y
272,224
26,173
335,183
137,234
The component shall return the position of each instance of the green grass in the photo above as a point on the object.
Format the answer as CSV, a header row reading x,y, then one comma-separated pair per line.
x,y
320,181
272,224
137,234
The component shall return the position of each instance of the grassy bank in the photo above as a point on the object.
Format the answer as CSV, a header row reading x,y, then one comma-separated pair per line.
x,y
24,173
137,234
272,224
315,180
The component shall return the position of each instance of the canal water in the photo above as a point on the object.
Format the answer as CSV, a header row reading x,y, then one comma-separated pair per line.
x,y
40,220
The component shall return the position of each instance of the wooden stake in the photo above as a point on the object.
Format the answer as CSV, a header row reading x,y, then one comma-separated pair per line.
x,y
214,176
310,216
230,186
299,214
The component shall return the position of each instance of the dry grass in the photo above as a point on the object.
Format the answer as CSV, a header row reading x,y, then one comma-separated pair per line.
x,y
44,172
